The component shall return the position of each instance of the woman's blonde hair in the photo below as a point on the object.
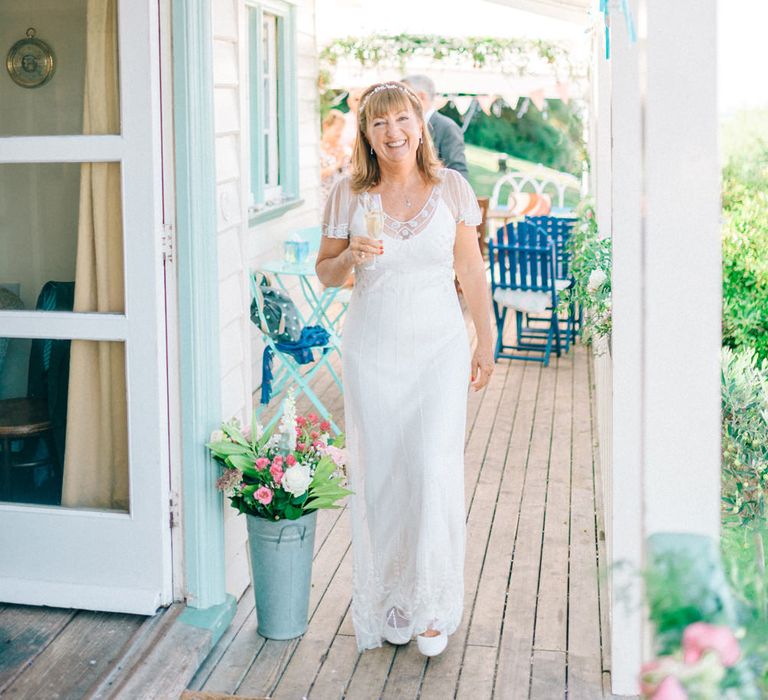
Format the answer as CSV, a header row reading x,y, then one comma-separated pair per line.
x,y
376,101
332,117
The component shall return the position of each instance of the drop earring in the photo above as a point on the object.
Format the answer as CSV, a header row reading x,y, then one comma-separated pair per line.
x,y
371,150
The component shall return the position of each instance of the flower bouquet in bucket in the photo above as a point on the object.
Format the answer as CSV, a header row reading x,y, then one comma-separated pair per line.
x,y
280,478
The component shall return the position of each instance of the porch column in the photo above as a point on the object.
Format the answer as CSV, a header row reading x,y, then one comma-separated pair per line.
x,y
667,291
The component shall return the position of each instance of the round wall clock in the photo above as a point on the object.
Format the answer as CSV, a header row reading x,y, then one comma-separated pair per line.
x,y
30,62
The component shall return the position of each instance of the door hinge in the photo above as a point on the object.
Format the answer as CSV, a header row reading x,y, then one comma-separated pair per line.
x,y
173,511
167,242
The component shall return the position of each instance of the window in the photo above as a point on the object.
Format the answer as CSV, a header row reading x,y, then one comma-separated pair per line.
x,y
273,108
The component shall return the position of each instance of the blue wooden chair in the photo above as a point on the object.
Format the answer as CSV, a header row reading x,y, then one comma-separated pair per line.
x,y
522,261
288,371
559,228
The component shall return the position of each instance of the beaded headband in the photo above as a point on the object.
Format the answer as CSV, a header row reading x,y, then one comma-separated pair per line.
x,y
386,86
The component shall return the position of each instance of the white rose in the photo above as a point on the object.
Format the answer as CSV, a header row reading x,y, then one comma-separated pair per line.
x,y
218,436
296,479
596,280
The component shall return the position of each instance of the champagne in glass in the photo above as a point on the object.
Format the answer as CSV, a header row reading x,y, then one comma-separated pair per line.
x,y
374,221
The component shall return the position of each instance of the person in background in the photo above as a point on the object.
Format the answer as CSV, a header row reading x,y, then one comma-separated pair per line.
x,y
446,134
350,118
334,156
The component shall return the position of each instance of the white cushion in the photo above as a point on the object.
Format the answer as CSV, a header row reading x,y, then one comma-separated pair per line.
x,y
523,300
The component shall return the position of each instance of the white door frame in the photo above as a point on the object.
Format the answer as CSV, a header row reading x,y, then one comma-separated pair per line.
x,y
91,559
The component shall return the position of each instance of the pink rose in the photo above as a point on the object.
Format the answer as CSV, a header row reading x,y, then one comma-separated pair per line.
x,y
263,495
300,420
319,445
290,460
312,417
314,435
262,463
325,426
670,689
277,473
700,637
278,461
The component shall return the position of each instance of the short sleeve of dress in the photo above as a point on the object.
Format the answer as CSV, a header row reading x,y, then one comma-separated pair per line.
x,y
338,211
460,198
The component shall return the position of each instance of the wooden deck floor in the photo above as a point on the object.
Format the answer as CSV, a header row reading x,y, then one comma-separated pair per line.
x,y
535,605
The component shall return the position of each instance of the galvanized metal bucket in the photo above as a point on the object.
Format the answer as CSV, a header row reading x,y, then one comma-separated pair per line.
x,y
281,573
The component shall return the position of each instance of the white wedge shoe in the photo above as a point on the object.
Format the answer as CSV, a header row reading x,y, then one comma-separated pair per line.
x,y
397,629
432,646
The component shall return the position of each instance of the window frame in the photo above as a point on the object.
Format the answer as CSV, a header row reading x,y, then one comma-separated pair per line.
x,y
270,201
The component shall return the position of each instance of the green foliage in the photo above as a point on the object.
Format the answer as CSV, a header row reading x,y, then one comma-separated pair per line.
x,y
555,140
590,268
744,390
508,55
745,235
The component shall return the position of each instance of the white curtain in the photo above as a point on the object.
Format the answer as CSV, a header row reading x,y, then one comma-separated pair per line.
x,y
96,455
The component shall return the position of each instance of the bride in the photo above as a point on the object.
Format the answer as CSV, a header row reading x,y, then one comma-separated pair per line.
x,y
407,368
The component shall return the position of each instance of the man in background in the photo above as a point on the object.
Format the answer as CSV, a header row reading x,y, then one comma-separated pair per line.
x,y
446,134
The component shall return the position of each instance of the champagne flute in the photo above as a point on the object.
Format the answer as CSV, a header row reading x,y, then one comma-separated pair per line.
x,y
373,216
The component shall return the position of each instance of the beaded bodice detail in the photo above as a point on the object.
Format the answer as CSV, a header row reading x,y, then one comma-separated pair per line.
x,y
403,230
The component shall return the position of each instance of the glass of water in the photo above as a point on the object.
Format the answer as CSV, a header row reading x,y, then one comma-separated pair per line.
x,y
373,215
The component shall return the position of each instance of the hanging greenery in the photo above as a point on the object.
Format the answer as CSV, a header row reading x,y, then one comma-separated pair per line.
x,y
514,56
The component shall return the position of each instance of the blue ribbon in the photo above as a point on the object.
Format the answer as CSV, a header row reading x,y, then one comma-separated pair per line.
x,y
627,12
301,351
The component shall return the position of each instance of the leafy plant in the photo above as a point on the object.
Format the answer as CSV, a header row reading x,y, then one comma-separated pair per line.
x,y
286,472
590,267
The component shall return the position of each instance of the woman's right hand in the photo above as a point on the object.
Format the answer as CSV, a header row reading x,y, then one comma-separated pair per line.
x,y
362,249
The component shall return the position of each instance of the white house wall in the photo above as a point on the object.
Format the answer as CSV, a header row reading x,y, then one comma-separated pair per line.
x,y
265,240
232,235
240,247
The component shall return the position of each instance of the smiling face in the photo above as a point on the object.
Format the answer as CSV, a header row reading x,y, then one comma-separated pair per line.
x,y
395,135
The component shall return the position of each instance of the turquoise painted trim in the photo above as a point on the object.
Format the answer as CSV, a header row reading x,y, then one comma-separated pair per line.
x,y
255,71
216,619
274,212
203,506
289,106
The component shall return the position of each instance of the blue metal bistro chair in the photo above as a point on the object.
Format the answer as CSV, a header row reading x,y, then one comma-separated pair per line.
x,y
297,363
559,228
522,260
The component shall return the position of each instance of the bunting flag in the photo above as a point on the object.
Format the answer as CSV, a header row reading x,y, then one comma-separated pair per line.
x,y
462,103
510,98
537,97
485,102
563,92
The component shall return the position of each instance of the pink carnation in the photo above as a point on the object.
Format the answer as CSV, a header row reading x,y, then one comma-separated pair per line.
x,y
290,460
263,495
277,473
312,417
700,637
262,463
278,461
670,689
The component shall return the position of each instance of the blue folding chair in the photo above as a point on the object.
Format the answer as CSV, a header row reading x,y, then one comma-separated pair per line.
x,y
289,372
559,228
522,261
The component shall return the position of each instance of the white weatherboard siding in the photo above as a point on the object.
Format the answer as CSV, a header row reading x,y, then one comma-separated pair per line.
x,y
232,234
265,240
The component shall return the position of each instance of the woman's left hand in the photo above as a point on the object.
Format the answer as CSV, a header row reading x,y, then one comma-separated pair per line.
x,y
482,367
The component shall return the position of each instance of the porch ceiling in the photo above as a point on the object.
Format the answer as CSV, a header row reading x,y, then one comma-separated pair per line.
x,y
569,10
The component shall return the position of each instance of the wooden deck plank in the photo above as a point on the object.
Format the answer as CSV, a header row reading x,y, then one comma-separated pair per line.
x,y
514,660
584,652
370,675
25,632
551,608
267,668
313,647
548,675
337,669
405,676
477,673
73,662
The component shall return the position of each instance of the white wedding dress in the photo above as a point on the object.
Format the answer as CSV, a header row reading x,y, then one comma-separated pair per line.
x,y
406,367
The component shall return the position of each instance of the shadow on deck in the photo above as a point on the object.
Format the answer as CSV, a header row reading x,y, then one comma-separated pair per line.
x,y
535,602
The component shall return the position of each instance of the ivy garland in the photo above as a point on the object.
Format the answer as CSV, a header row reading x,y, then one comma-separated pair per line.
x,y
507,55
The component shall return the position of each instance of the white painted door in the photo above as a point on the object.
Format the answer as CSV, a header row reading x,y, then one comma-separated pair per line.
x,y
115,554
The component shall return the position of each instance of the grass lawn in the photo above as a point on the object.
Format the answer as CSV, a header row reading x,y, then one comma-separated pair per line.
x,y
484,171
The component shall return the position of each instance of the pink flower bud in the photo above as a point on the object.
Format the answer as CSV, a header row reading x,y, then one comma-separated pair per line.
x,y
262,463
